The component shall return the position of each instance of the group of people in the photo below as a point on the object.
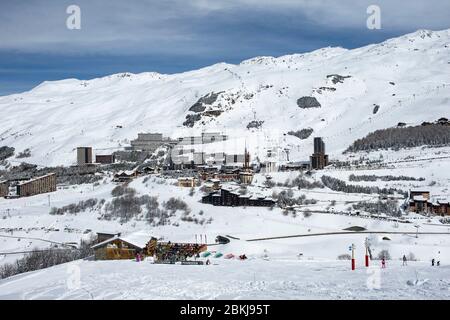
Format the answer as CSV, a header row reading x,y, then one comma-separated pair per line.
x,y
433,261
405,262
177,252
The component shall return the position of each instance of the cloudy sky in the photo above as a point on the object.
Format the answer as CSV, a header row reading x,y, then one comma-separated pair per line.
x,y
170,36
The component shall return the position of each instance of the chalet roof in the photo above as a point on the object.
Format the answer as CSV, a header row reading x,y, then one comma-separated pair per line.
x,y
138,239
108,233
125,173
419,198
419,190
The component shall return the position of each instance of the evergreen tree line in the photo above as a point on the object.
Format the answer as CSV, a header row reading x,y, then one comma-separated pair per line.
x,y
373,177
403,137
341,186
302,134
301,182
286,199
389,207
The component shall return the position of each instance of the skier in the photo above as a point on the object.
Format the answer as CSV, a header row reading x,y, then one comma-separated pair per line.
x,y
404,261
208,262
432,262
438,263
383,263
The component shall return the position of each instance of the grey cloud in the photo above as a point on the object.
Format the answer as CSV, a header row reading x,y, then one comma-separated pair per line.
x,y
117,26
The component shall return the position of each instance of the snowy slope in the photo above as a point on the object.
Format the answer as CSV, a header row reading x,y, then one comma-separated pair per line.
x,y
56,117
251,279
406,76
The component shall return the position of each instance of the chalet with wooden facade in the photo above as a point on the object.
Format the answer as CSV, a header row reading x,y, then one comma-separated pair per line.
x,y
187,182
120,247
420,201
125,176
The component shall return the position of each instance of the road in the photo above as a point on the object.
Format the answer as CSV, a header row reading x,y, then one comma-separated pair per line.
x,y
347,232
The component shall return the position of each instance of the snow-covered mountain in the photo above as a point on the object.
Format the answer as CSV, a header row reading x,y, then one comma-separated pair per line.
x,y
407,77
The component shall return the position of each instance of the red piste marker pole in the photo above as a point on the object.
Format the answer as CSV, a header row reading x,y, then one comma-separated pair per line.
x,y
367,252
353,257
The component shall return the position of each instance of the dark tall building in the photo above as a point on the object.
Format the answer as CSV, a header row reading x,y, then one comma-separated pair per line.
x,y
319,145
319,159
84,155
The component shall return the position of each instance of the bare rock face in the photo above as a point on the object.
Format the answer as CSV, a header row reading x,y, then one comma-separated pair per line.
x,y
336,78
302,134
376,107
199,109
205,101
6,152
191,119
308,102
254,124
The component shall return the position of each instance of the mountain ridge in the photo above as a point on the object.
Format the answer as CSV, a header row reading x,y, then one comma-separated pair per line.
x,y
405,76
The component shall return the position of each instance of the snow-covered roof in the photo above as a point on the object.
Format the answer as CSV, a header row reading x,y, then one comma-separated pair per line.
x,y
138,239
127,172
419,198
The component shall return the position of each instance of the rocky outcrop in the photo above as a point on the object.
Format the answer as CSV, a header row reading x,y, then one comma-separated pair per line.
x,y
308,102
376,107
191,119
205,101
336,78
255,124
212,113
301,134
6,152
